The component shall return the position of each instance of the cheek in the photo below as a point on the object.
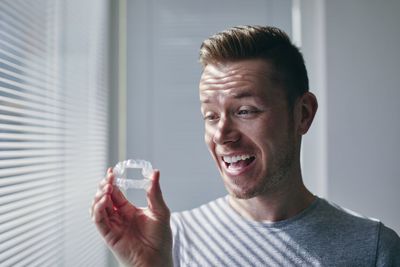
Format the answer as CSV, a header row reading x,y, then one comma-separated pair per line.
x,y
259,131
263,135
208,139
208,135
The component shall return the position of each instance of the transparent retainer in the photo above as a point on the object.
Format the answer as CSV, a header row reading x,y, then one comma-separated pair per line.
x,y
121,174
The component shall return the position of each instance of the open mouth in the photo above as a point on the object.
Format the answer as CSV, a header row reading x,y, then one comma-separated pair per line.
x,y
238,162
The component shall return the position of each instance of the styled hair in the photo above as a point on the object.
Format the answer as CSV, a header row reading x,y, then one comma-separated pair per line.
x,y
269,43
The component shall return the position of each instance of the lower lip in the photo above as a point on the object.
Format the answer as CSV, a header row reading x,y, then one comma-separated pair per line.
x,y
236,172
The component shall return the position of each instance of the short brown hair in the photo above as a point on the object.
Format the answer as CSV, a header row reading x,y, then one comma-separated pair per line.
x,y
269,43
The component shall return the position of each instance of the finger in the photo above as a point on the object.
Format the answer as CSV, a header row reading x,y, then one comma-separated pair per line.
x,y
101,191
110,176
119,200
102,183
155,200
108,179
95,200
101,215
107,189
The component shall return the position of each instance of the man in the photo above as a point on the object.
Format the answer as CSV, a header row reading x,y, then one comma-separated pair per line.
x,y
256,107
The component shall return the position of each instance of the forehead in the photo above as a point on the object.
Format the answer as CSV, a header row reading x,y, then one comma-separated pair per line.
x,y
238,78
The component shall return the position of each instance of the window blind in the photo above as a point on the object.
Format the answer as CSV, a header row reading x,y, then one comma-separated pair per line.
x,y
53,130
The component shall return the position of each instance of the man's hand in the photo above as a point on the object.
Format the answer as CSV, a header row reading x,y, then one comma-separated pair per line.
x,y
136,236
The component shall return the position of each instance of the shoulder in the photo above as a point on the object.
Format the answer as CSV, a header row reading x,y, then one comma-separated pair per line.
x,y
349,238
345,218
368,233
344,228
388,247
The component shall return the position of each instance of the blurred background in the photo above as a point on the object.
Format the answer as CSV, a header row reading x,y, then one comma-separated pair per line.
x,y
85,84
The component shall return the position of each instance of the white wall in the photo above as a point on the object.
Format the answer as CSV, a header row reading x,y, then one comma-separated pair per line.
x,y
164,119
354,46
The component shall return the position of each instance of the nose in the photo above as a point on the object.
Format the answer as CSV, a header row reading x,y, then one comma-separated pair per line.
x,y
225,132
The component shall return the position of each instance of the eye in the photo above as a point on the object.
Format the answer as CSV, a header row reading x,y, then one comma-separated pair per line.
x,y
246,112
210,117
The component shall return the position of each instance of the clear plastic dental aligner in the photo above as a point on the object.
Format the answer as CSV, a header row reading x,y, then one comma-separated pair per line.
x,y
121,174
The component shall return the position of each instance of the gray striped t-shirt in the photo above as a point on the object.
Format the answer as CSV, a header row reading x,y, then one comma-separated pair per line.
x,y
321,235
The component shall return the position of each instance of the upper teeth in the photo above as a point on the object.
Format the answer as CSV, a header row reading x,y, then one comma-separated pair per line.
x,y
234,159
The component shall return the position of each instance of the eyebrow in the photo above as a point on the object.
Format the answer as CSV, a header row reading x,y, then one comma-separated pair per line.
x,y
243,94
239,95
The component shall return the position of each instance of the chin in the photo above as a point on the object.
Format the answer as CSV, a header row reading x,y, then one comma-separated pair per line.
x,y
243,194
239,192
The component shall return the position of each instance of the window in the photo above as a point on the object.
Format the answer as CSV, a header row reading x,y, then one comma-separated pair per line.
x,y
53,130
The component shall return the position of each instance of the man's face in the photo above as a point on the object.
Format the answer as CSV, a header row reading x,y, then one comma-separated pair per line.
x,y
248,128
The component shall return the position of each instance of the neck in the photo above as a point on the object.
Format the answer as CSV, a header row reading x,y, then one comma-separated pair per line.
x,y
278,205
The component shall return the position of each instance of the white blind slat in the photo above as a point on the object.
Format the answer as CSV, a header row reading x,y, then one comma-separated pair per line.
x,y
27,104
24,187
21,120
11,11
30,129
30,153
30,145
30,72
23,61
29,12
45,210
18,197
20,41
46,99
20,52
28,113
27,169
23,178
27,231
15,254
30,137
47,256
28,161
29,84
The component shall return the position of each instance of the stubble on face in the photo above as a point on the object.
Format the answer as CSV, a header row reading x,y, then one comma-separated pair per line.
x,y
278,174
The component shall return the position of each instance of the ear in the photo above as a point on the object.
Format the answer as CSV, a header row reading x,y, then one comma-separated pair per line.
x,y
305,110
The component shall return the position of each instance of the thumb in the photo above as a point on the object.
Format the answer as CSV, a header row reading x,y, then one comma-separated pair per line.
x,y
155,200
